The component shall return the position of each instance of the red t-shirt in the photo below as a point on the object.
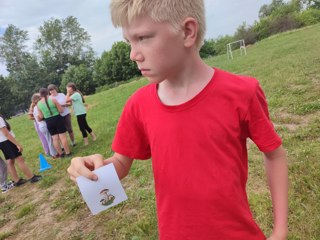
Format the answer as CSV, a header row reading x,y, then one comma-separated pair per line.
x,y
199,155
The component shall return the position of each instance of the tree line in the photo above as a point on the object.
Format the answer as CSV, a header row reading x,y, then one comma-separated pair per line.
x,y
62,53
278,16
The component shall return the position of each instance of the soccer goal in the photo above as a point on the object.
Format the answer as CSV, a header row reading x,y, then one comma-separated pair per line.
x,y
242,45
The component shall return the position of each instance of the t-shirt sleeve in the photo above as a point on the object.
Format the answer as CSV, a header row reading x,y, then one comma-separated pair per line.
x,y
61,98
130,138
75,97
2,123
260,127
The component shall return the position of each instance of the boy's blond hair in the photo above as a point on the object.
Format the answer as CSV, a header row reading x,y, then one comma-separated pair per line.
x,y
171,11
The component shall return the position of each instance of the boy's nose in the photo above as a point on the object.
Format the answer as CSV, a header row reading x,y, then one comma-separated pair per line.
x,y
135,55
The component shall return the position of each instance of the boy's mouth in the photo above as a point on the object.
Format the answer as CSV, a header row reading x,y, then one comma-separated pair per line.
x,y
144,70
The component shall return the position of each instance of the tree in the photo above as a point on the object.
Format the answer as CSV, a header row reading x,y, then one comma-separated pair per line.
x,y
81,76
6,98
25,74
220,44
207,49
247,33
13,48
115,65
312,4
267,9
102,70
63,43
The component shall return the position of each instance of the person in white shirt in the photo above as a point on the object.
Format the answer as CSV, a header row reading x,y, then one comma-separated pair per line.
x,y
61,98
12,152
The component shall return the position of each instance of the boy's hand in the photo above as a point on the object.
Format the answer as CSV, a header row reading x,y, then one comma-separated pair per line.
x,y
83,166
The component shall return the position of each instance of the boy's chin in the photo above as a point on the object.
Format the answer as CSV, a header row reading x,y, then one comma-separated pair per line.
x,y
155,80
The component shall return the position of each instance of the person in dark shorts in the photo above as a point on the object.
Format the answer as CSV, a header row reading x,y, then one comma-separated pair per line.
x,y
12,152
61,98
49,110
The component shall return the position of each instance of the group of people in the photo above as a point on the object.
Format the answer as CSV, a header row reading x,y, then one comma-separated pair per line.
x,y
50,112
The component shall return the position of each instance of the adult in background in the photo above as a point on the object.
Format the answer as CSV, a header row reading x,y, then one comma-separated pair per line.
x,y
61,98
75,97
50,109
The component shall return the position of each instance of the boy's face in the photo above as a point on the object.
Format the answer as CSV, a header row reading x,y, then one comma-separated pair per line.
x,y
157,49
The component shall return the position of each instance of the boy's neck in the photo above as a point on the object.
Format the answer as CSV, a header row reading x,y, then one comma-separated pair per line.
x,y
192,79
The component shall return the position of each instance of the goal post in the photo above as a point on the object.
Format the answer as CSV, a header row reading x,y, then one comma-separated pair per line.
x,y
242,47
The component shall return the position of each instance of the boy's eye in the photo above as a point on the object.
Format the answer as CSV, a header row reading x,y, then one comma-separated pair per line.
x,y
141,38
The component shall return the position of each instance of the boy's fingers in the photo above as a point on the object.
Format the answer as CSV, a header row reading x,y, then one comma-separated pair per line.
x,y
84,166
95,161
83,171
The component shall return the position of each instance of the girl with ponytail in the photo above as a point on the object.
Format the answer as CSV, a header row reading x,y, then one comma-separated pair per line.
x,y
49,110
75,97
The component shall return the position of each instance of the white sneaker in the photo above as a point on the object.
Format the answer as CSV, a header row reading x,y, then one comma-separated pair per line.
x,y
6,187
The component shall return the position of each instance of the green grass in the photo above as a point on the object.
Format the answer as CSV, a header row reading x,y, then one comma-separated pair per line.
x,y
287,66
24,211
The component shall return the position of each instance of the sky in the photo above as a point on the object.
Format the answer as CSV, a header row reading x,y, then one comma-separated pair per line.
x,y
222,17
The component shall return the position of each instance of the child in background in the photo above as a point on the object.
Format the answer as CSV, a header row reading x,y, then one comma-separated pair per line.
x,y
61,98
42,138
12,152
43,126
49,110
5,186
76,99
193,121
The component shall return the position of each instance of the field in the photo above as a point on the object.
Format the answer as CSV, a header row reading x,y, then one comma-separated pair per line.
x,y
287,66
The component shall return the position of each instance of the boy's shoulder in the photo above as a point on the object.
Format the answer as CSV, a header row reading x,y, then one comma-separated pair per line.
x,y
142,93
236,79
235,83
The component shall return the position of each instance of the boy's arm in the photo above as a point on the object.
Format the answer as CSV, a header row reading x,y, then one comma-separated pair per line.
x,y
277,176
83,166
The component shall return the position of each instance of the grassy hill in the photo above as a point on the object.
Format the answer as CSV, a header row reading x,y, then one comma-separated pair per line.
x,y
287,66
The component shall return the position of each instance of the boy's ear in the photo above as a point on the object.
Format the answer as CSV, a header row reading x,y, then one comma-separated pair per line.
x,y
190,30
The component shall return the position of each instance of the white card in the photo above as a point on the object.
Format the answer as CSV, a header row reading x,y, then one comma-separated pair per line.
x,y
104,193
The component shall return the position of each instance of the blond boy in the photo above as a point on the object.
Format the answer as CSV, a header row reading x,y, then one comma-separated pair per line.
x,y
193,121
